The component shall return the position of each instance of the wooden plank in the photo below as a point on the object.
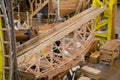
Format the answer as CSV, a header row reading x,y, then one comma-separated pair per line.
x,y
64,2
94,57
84,78
67,6
113,44
91,72
78,7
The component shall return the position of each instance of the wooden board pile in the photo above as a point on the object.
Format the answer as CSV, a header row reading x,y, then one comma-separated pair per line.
x,y
91,72
94,57
83,78
109,51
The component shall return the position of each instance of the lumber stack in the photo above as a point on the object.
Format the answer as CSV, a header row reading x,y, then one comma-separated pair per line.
x,y
84,78
94,57
109,51
91,72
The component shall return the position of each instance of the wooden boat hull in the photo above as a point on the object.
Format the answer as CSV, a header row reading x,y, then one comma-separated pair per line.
x,y
66,6
21,37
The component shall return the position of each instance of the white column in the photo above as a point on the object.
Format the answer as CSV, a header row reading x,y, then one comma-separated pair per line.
x,y
58,5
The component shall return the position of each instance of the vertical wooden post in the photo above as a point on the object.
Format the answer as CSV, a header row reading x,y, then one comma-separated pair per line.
x,y
18,11
40,3
28,19
31,6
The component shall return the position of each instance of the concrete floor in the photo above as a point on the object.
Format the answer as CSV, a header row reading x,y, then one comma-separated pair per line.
x,y
110,72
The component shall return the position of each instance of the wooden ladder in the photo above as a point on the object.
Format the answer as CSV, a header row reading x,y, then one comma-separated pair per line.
x,y
6,42
36,6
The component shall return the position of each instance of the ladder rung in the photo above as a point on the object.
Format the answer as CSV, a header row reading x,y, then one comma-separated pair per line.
x,y
1,15
7,56
5,42
6,67
3,29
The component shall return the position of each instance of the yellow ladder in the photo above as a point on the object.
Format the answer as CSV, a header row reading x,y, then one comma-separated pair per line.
x,y
1,56
105,20
6,56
